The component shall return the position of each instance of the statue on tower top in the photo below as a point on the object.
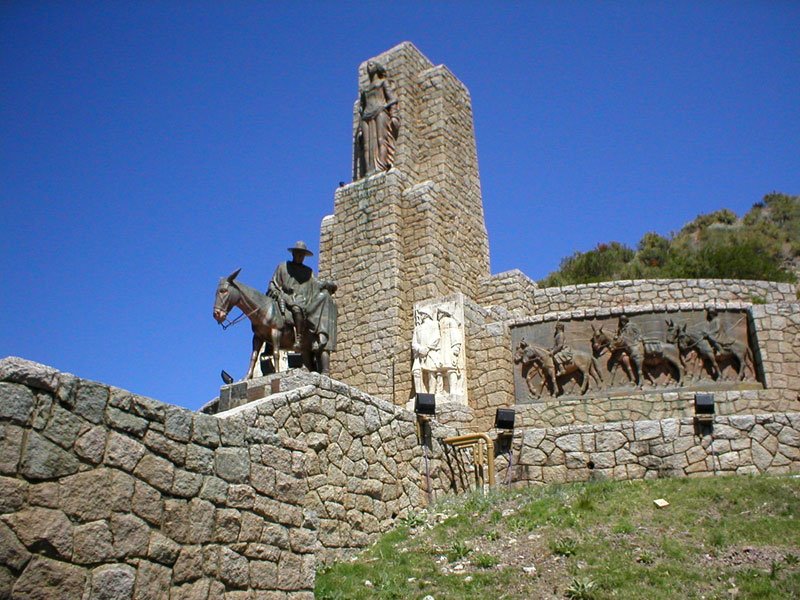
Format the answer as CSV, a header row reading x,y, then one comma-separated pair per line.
x,y
378,125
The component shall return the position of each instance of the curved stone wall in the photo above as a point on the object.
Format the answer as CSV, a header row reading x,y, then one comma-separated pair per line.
x,y
519,294
365,465
105,494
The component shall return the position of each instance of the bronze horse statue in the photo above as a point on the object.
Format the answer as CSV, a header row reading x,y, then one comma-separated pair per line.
x,y
635,358
696,342
537,359
268,324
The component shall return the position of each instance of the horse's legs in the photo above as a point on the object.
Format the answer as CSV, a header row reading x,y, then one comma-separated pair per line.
x,y
275,335
584,378
648,375
594,371
555,385
637,367
529,382
613,366
716,373
748,361
708,357
674,359
257,342
678,370
698,366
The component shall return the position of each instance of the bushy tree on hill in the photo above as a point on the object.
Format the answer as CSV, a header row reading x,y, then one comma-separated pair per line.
x,y
764,244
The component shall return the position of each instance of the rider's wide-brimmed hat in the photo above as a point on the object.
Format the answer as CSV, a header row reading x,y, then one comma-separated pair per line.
x,y
300,246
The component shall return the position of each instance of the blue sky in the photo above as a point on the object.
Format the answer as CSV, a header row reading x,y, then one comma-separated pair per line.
x,y
148,148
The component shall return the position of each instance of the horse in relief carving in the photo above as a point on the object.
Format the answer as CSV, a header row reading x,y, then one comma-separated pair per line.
x,y
697,344
536,360
635,357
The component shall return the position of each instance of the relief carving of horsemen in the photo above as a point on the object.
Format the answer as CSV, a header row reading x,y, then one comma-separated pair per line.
x,y
706,346
633,353
541,370
689,348
297,312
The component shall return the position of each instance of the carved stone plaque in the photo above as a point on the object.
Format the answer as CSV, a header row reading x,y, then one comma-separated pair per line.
x,y
437,346
640,352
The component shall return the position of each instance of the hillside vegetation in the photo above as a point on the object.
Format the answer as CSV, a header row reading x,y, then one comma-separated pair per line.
x,y
764,244
720,537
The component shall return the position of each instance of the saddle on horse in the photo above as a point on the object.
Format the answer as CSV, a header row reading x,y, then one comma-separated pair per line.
x,y
653,347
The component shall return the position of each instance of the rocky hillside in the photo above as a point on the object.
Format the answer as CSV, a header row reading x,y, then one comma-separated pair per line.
x,y
763,244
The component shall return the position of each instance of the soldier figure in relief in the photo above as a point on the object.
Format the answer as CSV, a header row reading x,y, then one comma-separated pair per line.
x,y
450,343
711,329
628,332
562,354
425,347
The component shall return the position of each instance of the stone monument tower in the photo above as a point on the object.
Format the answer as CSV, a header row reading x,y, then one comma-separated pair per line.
x,y
409,234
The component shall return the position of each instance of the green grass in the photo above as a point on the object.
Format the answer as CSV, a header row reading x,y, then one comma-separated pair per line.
x,y
719,538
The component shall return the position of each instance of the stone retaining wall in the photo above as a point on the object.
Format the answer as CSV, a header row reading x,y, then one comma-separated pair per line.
x,y
776,329
117,495
365,465
742,444
654,405
518,293
114,495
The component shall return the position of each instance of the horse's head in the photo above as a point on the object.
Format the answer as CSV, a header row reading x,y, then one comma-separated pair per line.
x,y
673,332
226,296
520,351
600,340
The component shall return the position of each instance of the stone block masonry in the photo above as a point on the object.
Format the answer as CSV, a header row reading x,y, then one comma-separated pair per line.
x,y
413,233
652,406
365,465
740,444
106,494
113,495
520,295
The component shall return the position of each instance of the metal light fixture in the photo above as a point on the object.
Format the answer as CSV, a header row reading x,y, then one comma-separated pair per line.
x,y
504,418
504,423
226,377
425,407
704,410
704,406
425,404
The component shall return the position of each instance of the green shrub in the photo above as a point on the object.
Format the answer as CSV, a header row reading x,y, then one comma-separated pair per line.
x,y
485,561
581,588
457,551
717,245
564,546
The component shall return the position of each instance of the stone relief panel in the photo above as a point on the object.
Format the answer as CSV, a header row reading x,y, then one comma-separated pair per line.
x,y
437,348
628,353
